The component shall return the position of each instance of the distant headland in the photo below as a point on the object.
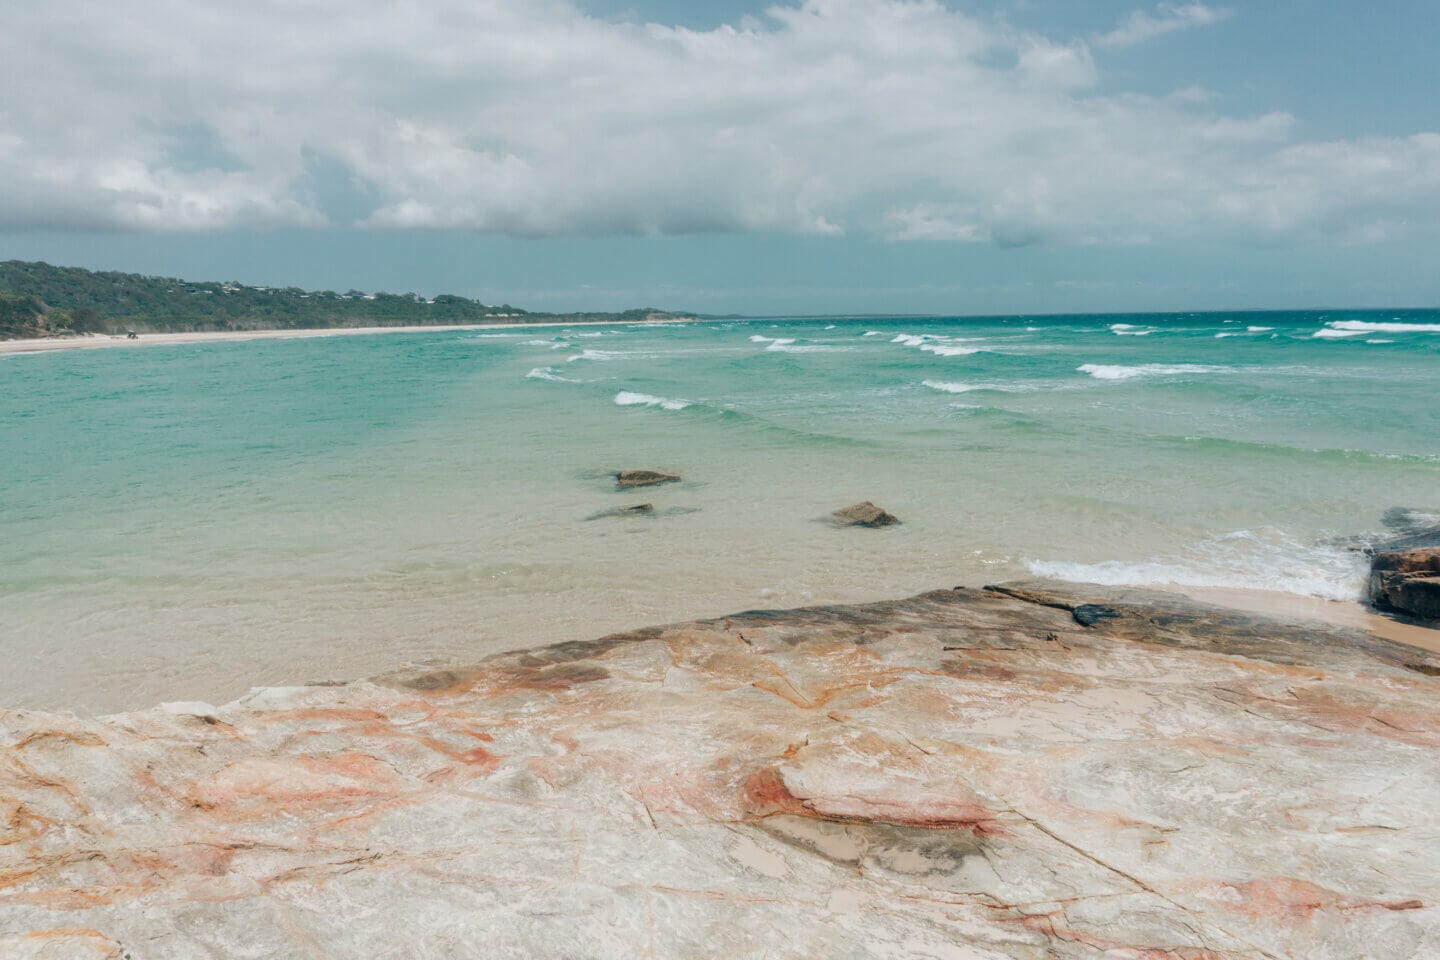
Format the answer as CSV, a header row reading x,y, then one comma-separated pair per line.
x,y
41,300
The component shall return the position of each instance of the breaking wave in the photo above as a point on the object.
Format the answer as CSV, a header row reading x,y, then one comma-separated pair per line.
x,y
1101,371
1243,560
940,346
548,373
627,399
1341,329
946,387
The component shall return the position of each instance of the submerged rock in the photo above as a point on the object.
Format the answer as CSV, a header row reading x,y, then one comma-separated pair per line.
x,y
634,510
626,479
864,514
966,773
1411,529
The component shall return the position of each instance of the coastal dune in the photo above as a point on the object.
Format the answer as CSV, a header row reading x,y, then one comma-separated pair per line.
x,y
1036,769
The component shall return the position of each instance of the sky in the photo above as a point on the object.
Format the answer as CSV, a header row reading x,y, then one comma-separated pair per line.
x,y
817,156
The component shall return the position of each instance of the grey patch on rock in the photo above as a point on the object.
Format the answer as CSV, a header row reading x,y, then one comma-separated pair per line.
x,y
625,479
864,514
1089,614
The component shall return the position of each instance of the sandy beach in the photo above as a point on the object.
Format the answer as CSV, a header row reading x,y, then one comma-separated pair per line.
x,y
45,344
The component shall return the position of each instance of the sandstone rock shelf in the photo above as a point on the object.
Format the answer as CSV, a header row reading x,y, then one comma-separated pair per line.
x,y
1031,771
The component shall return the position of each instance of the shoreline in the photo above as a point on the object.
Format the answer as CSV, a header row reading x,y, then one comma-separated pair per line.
x,y
1284,610
102,341
1350,614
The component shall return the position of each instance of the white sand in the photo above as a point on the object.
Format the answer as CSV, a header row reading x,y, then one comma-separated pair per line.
x,y
150,339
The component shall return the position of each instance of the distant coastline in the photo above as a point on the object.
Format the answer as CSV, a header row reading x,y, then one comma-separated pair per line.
x,y
42,301
100,341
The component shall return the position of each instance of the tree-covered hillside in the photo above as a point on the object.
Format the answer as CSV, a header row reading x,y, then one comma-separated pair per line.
x,y
38,299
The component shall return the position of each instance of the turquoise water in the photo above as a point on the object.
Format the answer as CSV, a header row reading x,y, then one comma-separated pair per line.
x,y
186,521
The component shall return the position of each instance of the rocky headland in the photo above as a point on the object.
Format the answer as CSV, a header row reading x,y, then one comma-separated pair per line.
x,y
1028,771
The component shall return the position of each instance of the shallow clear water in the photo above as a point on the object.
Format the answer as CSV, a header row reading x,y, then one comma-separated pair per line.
x,y
184,522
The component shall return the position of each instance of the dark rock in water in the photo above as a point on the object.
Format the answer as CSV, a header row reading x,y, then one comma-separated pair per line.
x,y
1407,581
1405,569
864,514
1413,530
634,510
1089,614
642,478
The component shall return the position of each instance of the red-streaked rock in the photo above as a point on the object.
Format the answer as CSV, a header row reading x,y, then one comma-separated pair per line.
x,y
965,773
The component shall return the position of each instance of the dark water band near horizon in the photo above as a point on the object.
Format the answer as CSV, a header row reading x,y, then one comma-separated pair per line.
x,y
185,522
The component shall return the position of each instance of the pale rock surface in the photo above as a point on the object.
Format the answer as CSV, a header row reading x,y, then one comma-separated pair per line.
x,y
965,775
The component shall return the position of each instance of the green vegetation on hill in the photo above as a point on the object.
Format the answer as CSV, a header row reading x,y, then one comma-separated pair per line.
x,y
38,299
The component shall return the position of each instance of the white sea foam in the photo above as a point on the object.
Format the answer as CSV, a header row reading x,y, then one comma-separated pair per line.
x,y
871,333
1258,329
1130,330
1379,341
831,327
949,349
1101,371
1241,560
1329,334
789,346
627,399
940,346
947,387
1366,326
548,373
602,355
538,343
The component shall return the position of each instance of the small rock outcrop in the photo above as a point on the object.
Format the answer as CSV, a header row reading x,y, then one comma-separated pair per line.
x,y
1405,569
864,514
1407,582
627,479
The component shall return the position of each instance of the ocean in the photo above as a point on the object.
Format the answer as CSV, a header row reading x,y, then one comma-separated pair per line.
x,y
185,522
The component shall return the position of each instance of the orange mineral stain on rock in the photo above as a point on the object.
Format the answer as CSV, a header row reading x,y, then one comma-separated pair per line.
x,y
264,786
1294,901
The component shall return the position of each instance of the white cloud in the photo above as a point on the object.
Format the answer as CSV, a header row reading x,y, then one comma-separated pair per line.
x,y
878,117
1141,26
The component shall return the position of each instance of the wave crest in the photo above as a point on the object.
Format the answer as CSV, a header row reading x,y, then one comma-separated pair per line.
x,y
1103,371
1243,560
626,398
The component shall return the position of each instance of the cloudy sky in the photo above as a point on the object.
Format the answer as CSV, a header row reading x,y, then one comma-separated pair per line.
x,y
820,156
